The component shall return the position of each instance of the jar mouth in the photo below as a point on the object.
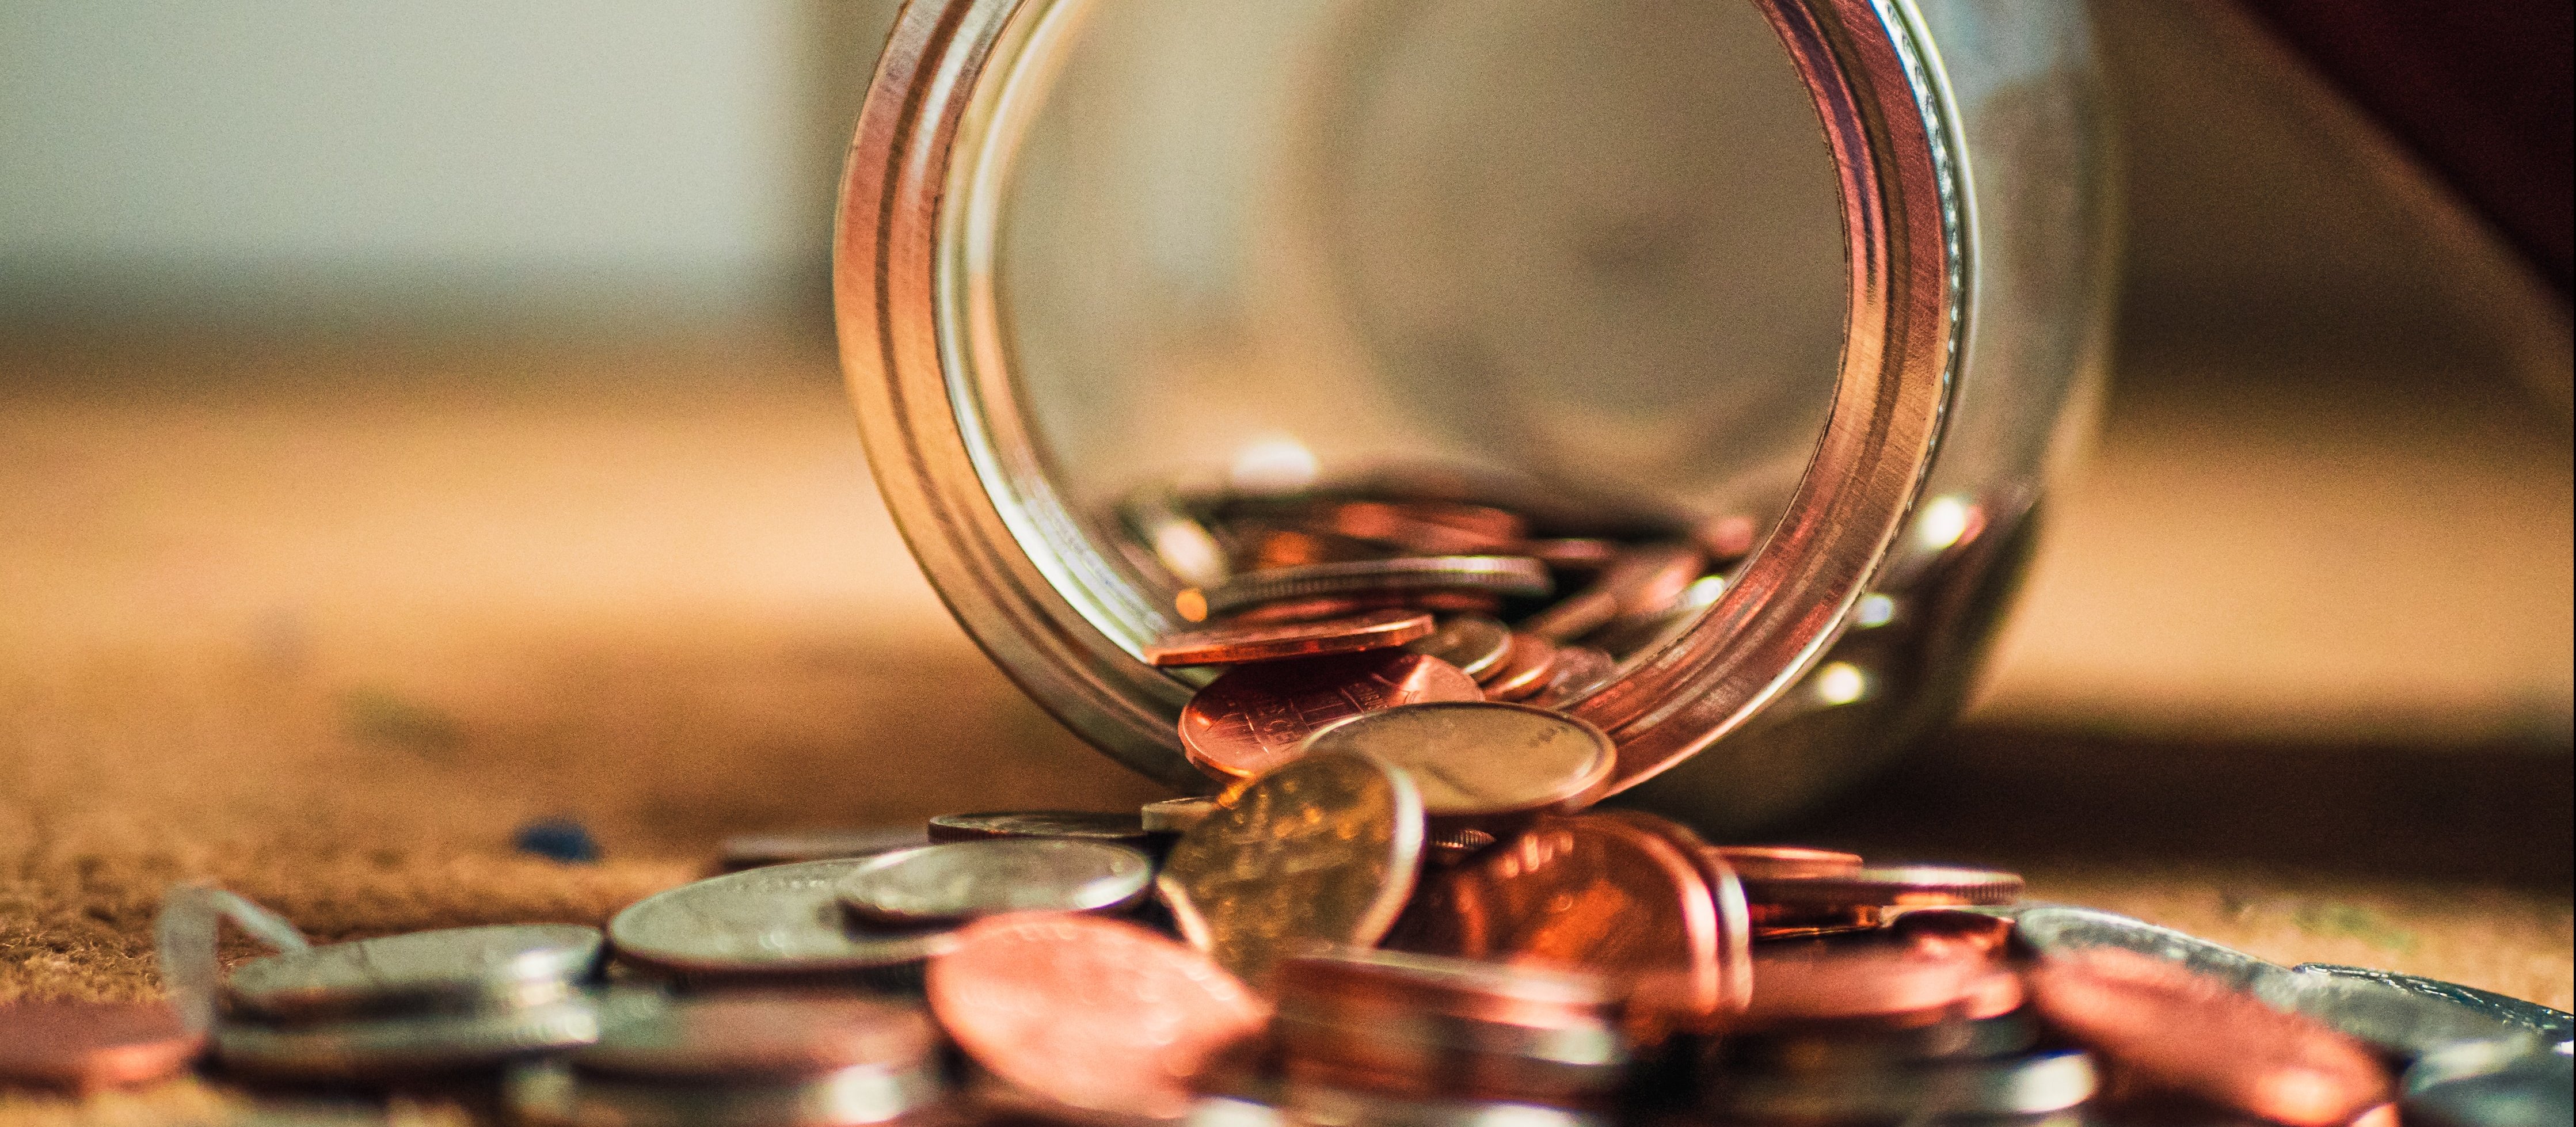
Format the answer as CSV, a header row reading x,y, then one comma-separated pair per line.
x,y
1036,577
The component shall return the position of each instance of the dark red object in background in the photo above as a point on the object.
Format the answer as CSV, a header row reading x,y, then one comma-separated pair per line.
x,y
2480,91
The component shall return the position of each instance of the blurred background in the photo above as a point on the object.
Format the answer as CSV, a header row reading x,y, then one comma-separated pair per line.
x,y
420,419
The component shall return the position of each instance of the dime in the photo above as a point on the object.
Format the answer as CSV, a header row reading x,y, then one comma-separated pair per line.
x,y
1494,575
783,919
1779,862
1583,892
2179,1030
758,1035
963,879
1255,716
1177,815
1323,849
1578,671
1971,1091
88,1046
1892,887
364,1048
1238,643
462,967
1480,759
1472,642
1097,1014
1086,825
1524,671
750,851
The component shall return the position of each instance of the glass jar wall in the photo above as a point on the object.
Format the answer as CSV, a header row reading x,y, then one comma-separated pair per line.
x,y
1595,263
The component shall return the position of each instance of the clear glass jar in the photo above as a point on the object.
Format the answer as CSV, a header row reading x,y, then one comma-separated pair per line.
x,y
1600,254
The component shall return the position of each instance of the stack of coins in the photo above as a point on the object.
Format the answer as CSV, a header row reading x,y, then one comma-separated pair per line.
x,y
751,1059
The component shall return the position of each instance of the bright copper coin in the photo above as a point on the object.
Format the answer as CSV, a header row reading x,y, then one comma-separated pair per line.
x,y
1237,643
2187,1032
1322,850
1480,759
1098,1014
1868,982
1578,671
1084,825
1524,671
1474,643
1895,886
1255,716
1777,862
1344,606
88,1046
1585,892
1734,927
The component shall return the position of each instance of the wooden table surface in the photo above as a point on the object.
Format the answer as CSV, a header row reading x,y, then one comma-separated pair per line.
x,y
326,622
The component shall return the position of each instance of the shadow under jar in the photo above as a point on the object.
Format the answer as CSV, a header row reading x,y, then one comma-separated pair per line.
x,y
1830,274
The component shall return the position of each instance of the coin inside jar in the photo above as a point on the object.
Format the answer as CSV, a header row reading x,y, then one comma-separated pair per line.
x,y
87,1046
1255,716
1578,671
1490,575
1323,849
519,963
1086,825
1472,642
1234,644
782,919
1524,670
1480,759
958,880
1097,1014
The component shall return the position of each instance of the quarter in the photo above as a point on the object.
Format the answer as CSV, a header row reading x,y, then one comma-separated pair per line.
x,y
783,919
1087,825
963,879
1480,759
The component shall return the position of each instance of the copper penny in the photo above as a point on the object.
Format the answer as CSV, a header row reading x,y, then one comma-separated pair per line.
x,y
1870,982
1474,643
1082,825
1524,671
1101,1015
1578,671
1236,643
87,1046
1255,716
2184,1031
1585,892
1429,1026
1322,850
1734,928
1927,886
755,1034
1474,759
1572,554
1429,530
1344,606
1777,862
1646,580
1491,575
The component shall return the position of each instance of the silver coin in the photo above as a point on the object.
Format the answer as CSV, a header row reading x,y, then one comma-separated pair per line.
x,y
555,1095
517,964
964,879
2034,1084
1476,758
1090,825
1497,575
738,1035
750,851
1472,642
1177,815
360,1048
783,919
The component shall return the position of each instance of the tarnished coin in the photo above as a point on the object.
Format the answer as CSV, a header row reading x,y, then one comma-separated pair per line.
x,y
1177,815
1254,717
1927,886
1524,671
366,1048
1097,1014
1083,825
1583,892
758,1035
1480,759
1578,671
1234,644
784,919
2002,1089
451,968
2169,1027
1323,849
1492,575
963,879
88,1046
1472,642
1785,862
750,851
